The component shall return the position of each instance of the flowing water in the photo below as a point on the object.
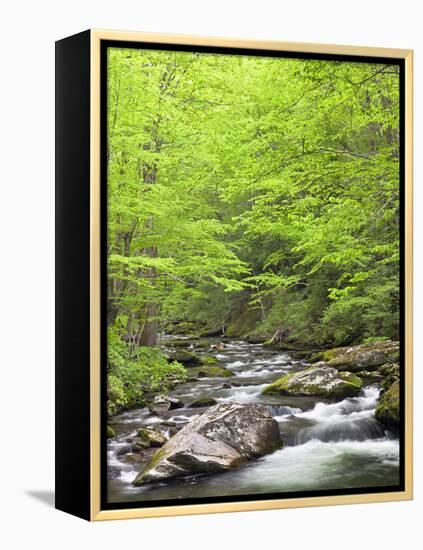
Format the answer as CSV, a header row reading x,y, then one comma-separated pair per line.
x,y
328,445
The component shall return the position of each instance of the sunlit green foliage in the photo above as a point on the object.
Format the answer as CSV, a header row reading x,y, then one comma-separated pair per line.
x,y
130,383
133,374
239,183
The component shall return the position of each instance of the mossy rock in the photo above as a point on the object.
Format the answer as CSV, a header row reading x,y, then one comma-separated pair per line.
x,y
209,371
185,357
208,360
183,327
390,369
201,344
325,355
301,356
362,357
125,450
139,444
257,338
204,402
388,408
111,432
374,376
391,373
179,343
133,458
324,382
284,346
156,458
215,331
222,438
151,437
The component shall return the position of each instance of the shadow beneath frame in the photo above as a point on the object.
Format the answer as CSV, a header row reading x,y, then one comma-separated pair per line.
x,y
46,497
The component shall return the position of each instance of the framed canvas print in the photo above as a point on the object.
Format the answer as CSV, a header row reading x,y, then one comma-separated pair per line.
x,y
233,278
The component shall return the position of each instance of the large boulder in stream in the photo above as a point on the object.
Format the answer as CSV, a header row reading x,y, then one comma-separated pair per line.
x,y
388,408
365,357
317,381
222,438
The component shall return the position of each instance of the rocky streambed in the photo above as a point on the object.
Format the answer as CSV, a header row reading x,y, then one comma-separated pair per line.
x,y
255,420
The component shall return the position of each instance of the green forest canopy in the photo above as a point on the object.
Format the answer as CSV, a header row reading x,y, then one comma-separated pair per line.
x,y
253,193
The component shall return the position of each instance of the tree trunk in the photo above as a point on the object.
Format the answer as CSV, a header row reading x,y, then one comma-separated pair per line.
x,y
150,331
150,328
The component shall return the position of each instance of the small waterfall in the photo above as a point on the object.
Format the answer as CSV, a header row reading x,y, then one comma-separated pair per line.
x,y
353,427
242,394
280,410
352,419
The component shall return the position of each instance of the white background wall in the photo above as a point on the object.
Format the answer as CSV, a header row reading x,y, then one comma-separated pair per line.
x,y
28,32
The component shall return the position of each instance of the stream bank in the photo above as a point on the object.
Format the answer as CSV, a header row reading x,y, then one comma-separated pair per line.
x,y
329,443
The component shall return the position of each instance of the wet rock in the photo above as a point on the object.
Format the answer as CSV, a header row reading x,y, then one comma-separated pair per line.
x,y
210,371
168,423
302,355
317,381
388,408
133,458
374,376
204,402
363,357
256,338
150,437
187,358
139,444
179,343
390,369
181,420
113,472
164,403
391,373
124,450
111,432
201,345
208,360
215,331
180,327
283,345
222,438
